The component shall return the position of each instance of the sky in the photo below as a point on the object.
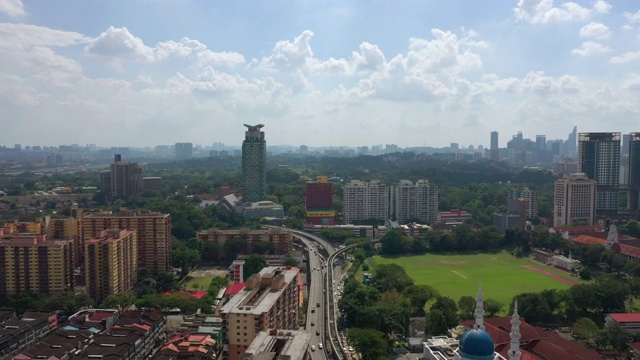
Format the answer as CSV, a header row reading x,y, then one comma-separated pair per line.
x,y
315,72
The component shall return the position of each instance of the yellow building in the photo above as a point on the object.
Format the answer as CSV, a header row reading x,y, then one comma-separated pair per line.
x,y
33,227
66,228
282,239
153,232
268,301
31,263
111,263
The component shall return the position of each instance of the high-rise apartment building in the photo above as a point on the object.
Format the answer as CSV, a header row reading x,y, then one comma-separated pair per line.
x,y
494,150
268,301
280,238
599,159
183,151
66,228
633,171
417,201
126,178
153,234
527,201
574,200
365,200
319,202
254,164
33,263
111,263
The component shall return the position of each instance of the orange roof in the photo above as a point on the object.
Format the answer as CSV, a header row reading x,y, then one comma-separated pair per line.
x,y
623,249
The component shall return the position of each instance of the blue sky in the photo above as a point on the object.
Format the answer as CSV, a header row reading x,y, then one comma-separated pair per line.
x,y
320,73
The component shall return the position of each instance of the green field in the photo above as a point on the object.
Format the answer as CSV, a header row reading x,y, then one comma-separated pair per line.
x,y
197,283
502,275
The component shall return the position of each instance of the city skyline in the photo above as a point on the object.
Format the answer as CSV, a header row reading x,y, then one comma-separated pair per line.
x,y
332,73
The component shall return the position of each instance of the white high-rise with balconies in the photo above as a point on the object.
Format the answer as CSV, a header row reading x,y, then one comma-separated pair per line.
x,y
365,200
574,200
417,201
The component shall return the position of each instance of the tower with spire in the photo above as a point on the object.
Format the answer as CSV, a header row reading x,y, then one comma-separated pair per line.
x,y
514,348
479,308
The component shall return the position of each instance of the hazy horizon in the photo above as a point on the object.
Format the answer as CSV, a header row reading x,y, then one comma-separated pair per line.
x,y
331,73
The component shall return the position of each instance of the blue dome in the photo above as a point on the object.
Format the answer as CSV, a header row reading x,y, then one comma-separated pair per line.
x,y
476,344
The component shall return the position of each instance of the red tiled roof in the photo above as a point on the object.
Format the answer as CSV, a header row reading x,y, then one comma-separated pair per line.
x,y
623,249
234,289
625,317
535,343
634,345
198,294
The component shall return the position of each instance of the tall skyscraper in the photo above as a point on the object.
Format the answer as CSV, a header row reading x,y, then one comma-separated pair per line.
x,y
599,159
574,200
571,143
126,178
494,150
634,171
364,201
184,151
415,201
254,164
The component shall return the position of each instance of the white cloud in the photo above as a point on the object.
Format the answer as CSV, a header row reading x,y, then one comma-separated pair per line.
x,y
24,36
633,83
589,48
189,48
370,57
287,55
595,30
117,44
544,11
538,83
626,57
13,8
633,17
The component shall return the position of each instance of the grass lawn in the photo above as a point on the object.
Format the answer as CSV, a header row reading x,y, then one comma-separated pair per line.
x,y
197,283
503,276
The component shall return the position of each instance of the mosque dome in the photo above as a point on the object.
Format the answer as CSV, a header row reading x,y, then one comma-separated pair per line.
x,y
476,344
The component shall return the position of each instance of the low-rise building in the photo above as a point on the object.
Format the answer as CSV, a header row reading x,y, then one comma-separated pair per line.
x,y
262,209
452,217
627,321
279,344
16,333
187,346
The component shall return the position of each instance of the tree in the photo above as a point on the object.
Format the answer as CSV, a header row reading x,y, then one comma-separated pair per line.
x,y
392,242
418,296
585,329
492,307
448,308
253,264
233,247
466,307
356,297
210,251
217,283
585,273
185,258
165,281
369,343
69,301
435,323
263,248
289,261
391,276
119,301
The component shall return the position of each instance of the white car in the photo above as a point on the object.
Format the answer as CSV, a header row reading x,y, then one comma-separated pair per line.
x,y
313,348
320,346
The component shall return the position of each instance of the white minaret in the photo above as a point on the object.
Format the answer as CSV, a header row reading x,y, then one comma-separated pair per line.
x,y
480,308
514,349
